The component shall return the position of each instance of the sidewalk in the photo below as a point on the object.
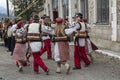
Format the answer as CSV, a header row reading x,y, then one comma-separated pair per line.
x,y
109,53
106,52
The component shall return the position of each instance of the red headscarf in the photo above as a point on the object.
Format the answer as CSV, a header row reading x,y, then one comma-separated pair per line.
x,y
85,20
20,24
59,20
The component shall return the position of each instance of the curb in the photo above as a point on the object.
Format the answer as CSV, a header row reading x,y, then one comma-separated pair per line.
x,y
105,52
108,54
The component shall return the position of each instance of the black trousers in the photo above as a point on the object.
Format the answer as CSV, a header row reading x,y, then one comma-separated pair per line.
x,y
5,41
9,39
1,34
12,44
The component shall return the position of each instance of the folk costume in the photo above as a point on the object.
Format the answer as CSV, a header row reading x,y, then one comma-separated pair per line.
x,y
13,29
34,39
20,45
47,42
46,39
80,44
47,46
61,49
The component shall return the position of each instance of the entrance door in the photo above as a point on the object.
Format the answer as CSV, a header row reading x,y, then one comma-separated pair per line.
x,y
55,15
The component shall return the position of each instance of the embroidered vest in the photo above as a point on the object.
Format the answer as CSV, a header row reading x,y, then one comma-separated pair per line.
x,y
20,35
34,31
81,33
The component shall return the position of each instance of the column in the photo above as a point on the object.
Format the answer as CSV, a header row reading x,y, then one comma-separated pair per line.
x,y
79,6
71,9
60,8
114,20
51,10
46,6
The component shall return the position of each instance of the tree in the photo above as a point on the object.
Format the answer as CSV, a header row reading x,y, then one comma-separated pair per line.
x,y
21,5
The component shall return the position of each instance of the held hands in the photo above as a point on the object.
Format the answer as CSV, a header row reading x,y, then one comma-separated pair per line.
x,y
41,21
74,33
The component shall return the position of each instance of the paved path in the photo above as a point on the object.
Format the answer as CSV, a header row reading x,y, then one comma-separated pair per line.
x,y
103,68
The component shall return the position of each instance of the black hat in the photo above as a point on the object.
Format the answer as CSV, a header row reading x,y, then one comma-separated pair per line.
x,y
45,16
79,15
36,17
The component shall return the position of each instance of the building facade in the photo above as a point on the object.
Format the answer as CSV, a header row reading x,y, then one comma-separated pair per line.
x,y
103,16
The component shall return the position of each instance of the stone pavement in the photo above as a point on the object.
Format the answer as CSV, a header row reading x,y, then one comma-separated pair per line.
x,y
102,68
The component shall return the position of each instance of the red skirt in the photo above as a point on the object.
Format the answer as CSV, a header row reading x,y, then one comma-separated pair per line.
x,y
19,51
64,51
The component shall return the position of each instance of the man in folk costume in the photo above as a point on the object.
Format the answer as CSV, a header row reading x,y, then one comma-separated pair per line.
x,y
9,36
1,29
61,50
80,43
5,27
20,45
34,38
13,29
46,39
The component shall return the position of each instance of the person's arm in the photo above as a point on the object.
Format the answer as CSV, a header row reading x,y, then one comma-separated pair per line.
x,y
47,30
73,29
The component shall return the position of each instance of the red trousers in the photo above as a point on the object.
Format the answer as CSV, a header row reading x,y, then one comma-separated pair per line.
x,y
38,62
47,47
80,54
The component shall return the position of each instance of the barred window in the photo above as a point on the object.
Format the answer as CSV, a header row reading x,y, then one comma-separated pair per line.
x,y
102,11
84,8
55,9
55,5
65,6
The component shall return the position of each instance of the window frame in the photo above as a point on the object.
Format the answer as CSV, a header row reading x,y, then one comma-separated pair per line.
x,y
65,6
86,9
101,20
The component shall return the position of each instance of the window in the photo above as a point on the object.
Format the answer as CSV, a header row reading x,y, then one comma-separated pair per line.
x,y
55,5
65,8
49,9
84,8
55,9
102,11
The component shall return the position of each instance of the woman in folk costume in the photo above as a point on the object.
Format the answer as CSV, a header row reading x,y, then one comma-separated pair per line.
x,y
61,50
34,40
20,46
80,52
